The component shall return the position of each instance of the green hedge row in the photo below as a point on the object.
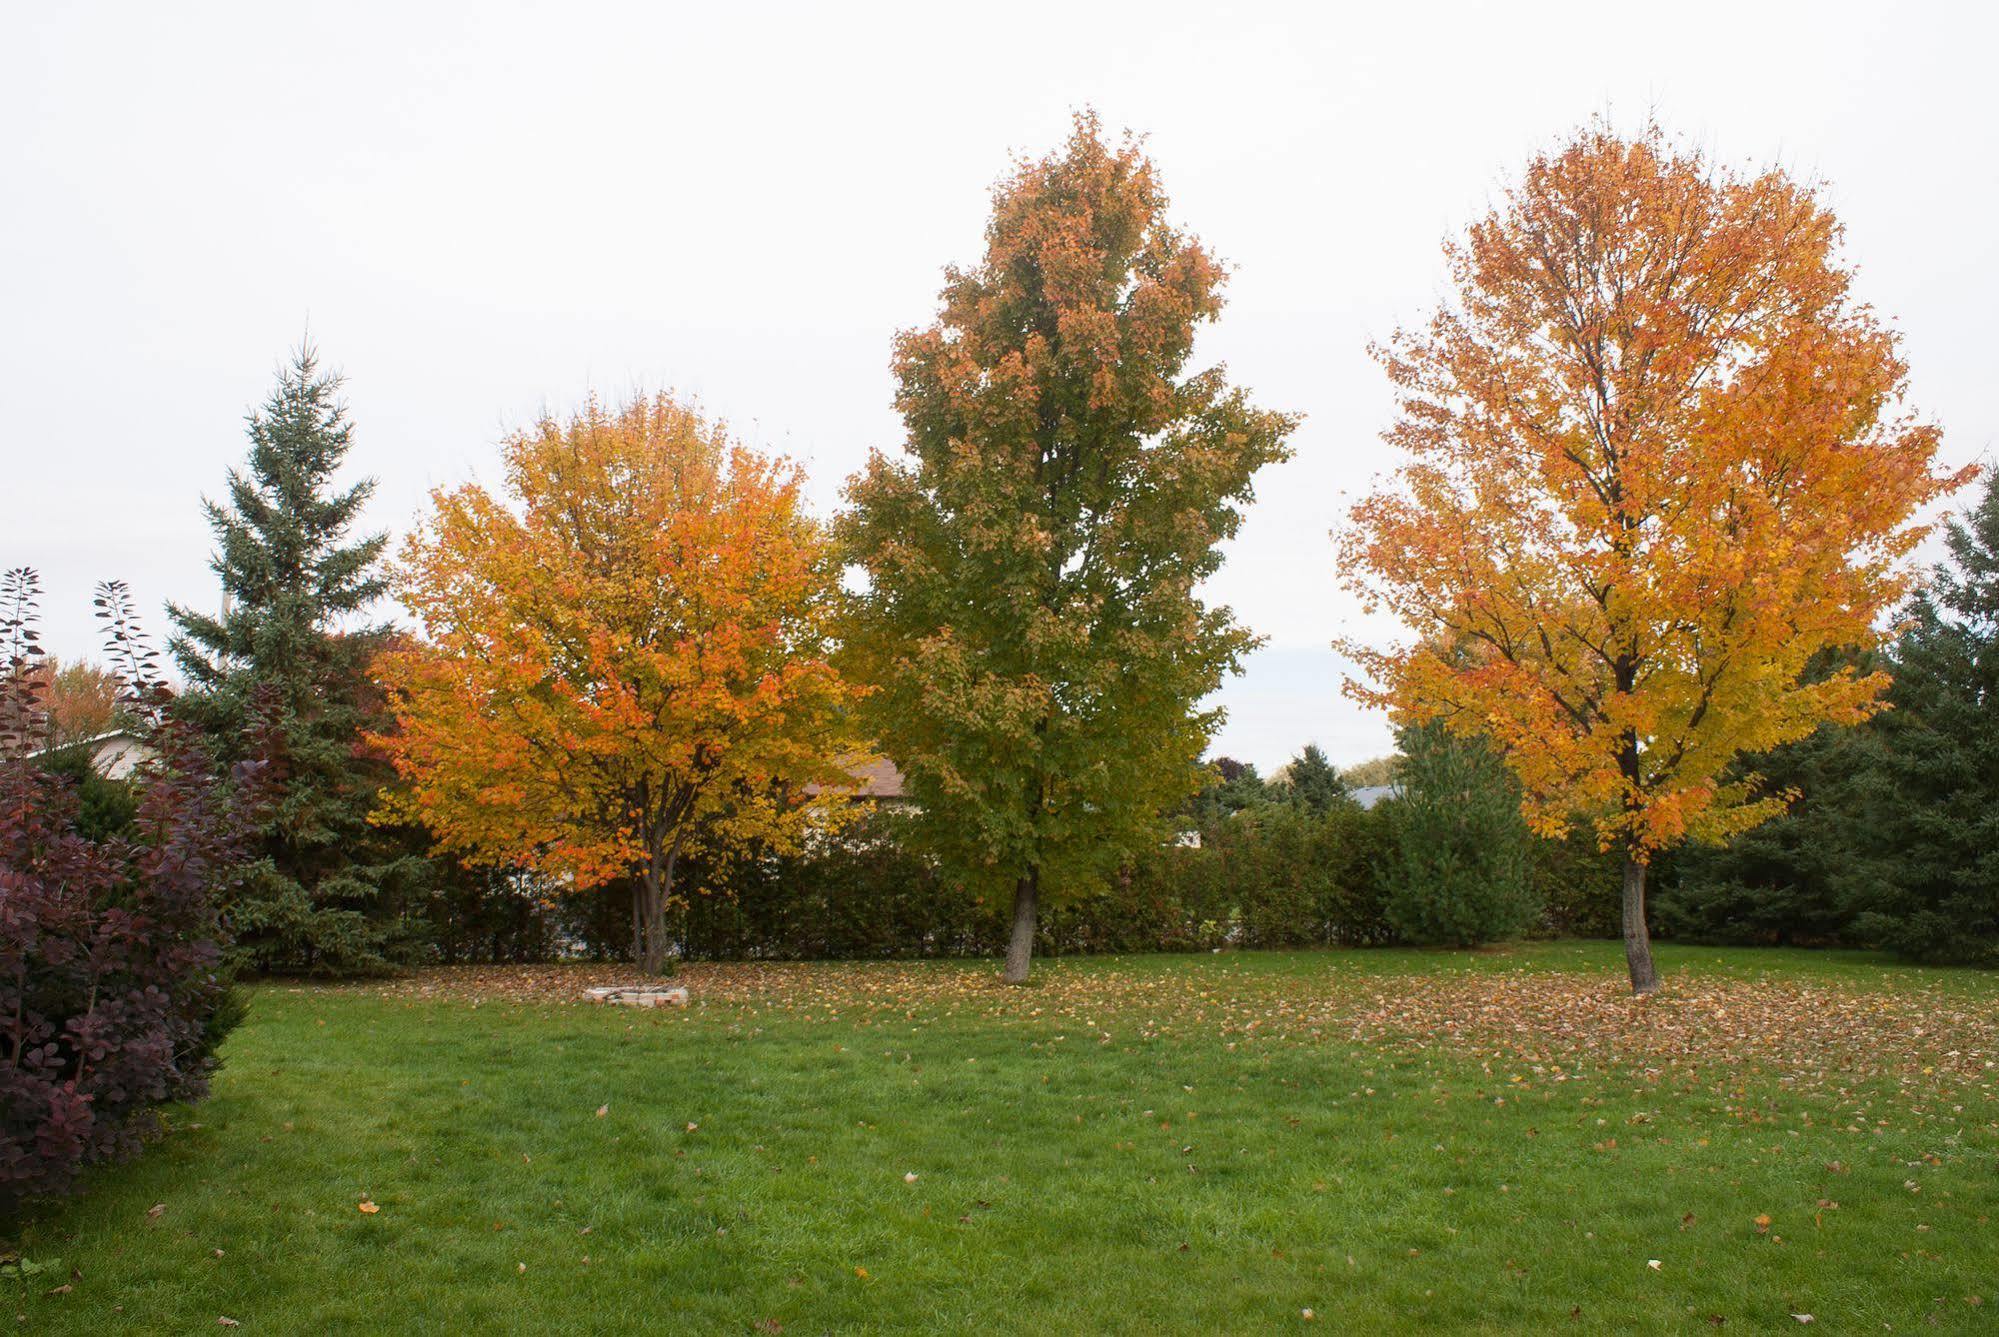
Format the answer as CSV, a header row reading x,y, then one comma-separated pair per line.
x,y
1272,876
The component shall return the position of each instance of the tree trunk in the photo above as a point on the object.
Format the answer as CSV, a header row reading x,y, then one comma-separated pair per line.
x,y
656,917
652,937
1637,941
646,891
1020,947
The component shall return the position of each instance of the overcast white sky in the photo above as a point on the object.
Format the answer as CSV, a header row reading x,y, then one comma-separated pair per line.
x,y
488,209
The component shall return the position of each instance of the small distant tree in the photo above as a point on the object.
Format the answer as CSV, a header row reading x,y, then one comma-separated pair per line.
x,y
624,662
1031,611
59,703
82,701
1657,460
1230,787
1460,875
1314,783
1374,771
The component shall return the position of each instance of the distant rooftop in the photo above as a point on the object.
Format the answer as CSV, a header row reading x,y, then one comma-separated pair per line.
x,y
1369,795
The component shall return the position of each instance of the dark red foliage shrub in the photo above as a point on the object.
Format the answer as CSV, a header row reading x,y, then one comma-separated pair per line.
x,y
110,979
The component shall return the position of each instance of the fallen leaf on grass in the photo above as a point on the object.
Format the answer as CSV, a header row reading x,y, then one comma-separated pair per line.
x,y
368,1207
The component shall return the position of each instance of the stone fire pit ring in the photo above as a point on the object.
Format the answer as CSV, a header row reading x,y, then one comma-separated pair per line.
x,y
639,995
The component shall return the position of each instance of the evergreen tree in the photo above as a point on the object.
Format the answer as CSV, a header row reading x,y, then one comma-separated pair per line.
x,y
1459,877
1315,785
292,580
1925,879
1231,787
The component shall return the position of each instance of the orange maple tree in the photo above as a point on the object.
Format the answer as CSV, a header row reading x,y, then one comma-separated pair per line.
x,y
1657,459
626,668
83,700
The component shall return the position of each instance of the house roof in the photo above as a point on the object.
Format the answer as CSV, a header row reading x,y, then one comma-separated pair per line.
x,y
94,741
114,755
1369,795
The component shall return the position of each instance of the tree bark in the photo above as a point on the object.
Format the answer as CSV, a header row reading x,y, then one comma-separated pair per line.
x,y
656,917
1020,946
657,885
1637,940
651,950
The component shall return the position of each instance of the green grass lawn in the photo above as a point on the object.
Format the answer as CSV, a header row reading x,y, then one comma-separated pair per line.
x,y
1390,1140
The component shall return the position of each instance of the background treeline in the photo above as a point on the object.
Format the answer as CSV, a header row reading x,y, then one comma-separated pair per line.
x,y
1279,863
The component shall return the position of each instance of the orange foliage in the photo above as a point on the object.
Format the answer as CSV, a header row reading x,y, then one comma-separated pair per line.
x,y
83,700
1657,461
628,669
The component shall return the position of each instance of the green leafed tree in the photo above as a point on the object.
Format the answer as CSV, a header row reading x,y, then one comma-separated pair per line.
x,y
295,584
1460,875
1031,613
